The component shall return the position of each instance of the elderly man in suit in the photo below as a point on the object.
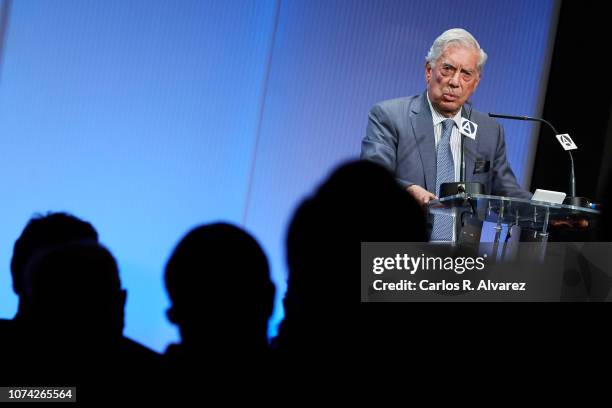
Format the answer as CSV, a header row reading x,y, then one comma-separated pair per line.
x,y
418,137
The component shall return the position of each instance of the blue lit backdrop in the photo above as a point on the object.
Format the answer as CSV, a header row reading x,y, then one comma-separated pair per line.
x,y
148,117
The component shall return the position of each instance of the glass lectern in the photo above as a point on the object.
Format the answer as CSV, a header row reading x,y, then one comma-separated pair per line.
x,y
532,217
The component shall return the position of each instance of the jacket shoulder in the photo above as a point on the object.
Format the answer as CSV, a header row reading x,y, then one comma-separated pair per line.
x,y
396,103
396,107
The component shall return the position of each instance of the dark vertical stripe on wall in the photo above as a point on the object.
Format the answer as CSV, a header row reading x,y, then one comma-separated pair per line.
x,y
578,101
605,180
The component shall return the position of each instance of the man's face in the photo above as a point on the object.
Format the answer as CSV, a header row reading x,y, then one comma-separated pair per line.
x,y
453,79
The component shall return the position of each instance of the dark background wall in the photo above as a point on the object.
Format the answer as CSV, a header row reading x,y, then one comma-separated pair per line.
x,y
579,102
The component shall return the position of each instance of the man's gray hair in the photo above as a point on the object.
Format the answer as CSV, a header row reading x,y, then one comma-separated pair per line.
x,y
459,37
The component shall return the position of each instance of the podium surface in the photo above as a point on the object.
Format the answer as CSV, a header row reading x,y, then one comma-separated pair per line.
x,y
529,215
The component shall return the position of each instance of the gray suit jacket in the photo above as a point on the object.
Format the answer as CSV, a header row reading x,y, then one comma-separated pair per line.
x,y
400,136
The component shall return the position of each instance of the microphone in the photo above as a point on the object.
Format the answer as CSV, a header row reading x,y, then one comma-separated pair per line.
x,y
572,170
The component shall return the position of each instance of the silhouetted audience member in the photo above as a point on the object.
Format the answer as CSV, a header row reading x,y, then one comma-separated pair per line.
x,y
79,284
75,319
360,202
43,233
69,322
221,296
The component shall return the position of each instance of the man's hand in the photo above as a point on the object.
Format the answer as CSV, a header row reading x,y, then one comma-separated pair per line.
x,y
421,195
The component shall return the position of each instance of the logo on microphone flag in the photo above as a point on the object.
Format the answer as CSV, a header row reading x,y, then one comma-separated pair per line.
x,y
566,142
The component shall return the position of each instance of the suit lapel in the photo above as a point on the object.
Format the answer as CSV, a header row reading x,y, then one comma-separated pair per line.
x,y
422,123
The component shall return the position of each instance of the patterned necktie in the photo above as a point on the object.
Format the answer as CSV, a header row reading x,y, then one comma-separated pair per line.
x,y
445,173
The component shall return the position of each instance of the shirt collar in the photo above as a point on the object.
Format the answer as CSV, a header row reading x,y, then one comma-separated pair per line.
x,y
439,118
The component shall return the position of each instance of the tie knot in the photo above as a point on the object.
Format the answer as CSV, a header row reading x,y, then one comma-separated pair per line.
x,y
447,129
447,125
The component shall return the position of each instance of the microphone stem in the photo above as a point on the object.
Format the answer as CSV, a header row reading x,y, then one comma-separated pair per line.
x,y
462,166
529,118
572,169
572,175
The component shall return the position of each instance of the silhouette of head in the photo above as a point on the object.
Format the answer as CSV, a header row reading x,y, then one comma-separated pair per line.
x,y
219,285
74,291
360,202
43,233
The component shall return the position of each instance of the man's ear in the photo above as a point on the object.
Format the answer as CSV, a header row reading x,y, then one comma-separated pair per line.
x,y
171,314
427,72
